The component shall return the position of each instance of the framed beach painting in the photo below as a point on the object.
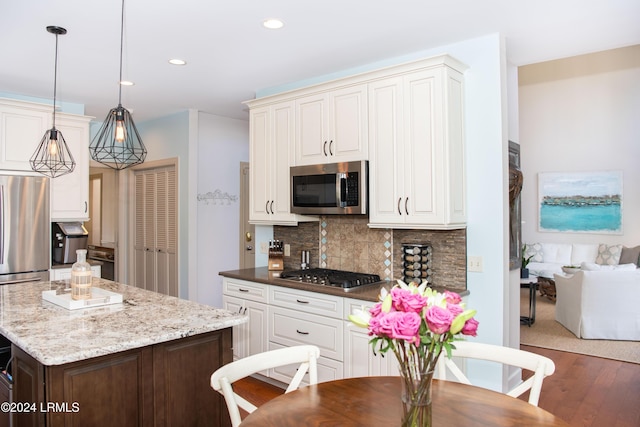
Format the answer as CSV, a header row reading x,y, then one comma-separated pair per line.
x,y
580,202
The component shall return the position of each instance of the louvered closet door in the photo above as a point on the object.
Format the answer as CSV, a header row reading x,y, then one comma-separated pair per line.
x,y
156,230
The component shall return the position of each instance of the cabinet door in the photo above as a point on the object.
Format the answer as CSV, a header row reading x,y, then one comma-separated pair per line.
x,y
386,149
424,156
21,129
348,125
70,192
312,120
259,173
282,142
236,305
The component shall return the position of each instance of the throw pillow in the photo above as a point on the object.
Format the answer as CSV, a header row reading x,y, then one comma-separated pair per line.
x,y
534,250
630,255
608,255
583,253
589,266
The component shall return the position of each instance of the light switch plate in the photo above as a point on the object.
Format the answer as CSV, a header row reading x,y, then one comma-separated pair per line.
x,y
474,263
264,247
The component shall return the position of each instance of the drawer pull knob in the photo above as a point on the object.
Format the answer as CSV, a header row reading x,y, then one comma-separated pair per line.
x,y
302,333
302,302
243,290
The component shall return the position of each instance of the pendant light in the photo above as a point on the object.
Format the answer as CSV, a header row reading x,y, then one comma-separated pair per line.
x,y
118,144
52,157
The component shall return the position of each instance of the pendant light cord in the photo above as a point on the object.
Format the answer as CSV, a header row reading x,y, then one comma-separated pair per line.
x,y
55,83
121,50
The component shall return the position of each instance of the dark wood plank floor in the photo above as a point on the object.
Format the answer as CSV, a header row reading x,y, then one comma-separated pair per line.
x,y
585,391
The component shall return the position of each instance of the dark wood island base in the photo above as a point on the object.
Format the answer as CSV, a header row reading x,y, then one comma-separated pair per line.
x,y
165,384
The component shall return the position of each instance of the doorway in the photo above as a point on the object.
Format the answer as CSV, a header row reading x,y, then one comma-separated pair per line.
x,y
247,255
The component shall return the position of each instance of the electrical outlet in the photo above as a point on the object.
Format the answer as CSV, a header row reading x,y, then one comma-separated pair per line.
x,y
474,263
264,247
287,249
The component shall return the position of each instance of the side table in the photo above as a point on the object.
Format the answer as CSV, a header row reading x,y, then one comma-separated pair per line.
x,y
532,283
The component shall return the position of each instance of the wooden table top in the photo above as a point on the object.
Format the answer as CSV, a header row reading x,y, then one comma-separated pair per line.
x,y
375,401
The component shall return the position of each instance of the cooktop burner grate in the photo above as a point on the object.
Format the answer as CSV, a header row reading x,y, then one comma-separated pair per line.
x,y
337,278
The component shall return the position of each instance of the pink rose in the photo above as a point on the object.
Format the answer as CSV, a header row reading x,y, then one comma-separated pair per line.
x,y
376,309
405,326
452,297
405,300
438,319
470,327
385,324
455,309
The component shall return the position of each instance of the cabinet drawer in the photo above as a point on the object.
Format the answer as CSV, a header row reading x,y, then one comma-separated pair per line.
x,y
291,327
328,369
246,290
351,305
309,302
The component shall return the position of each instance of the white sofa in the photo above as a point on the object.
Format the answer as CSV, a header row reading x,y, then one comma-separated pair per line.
x,y
548,259
600,304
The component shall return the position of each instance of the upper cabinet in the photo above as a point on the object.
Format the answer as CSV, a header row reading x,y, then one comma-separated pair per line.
x,y
406,120
332,126
22,126
416,147
70,192
272,130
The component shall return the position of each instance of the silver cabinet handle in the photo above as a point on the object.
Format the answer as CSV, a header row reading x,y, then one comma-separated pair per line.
x,y
266,207
399,211
324,148
406,202
330,147
271,207
301,332
302,302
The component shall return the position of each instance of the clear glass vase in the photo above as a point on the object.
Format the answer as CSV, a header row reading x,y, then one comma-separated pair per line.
x,y
81,277
416,372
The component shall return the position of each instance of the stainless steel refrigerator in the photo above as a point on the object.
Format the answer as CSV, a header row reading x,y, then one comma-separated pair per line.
x,y
25,241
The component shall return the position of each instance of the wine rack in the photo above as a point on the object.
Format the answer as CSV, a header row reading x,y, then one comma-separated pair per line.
x,y
416,262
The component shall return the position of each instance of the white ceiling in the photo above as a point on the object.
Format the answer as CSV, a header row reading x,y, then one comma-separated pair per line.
x,y
230,55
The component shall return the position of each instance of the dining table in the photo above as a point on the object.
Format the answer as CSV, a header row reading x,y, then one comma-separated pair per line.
x,y
376,401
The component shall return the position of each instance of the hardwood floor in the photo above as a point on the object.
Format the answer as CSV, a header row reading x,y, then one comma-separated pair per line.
x,y
584,391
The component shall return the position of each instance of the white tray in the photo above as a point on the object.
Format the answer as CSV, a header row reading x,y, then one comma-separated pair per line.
x,y
99,297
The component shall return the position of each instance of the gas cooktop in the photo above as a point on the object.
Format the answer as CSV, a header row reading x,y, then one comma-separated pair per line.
x,y
347,280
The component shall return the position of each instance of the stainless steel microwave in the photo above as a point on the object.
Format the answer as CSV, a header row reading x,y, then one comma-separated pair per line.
x,y
333,188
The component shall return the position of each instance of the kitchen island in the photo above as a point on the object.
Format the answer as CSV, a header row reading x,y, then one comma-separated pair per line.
x,y
145,361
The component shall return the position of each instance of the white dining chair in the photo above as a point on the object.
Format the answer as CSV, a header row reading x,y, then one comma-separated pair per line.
x,y
223,378
540,366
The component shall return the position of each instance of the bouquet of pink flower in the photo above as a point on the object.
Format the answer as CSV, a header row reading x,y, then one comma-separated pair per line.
x,y
417,315
416,323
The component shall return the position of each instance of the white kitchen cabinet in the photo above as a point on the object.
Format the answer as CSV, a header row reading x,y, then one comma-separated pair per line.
x,y
22,126
70,192
416,143
271,141
332,126
359,360
248,298
65,273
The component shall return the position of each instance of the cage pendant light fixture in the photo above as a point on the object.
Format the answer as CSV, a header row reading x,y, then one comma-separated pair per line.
x,y
52,157
118,144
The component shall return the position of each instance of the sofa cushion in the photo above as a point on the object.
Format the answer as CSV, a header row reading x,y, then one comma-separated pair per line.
x,y
558,253
592,266
584,253
533,250
630,255
608,255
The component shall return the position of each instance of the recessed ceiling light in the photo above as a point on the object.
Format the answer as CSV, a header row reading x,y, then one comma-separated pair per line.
x,y
176,61
273,24
126,83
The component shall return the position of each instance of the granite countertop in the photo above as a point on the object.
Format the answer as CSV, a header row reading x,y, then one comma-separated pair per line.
x,y
54,335
263,275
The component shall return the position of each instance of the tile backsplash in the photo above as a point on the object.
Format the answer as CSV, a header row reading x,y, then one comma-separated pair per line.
x,y
345,242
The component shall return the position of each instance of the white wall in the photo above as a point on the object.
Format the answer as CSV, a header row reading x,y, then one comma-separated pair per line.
x,y
222,144
582,114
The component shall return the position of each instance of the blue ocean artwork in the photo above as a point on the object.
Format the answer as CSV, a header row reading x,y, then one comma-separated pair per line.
x,y
605,218
581,202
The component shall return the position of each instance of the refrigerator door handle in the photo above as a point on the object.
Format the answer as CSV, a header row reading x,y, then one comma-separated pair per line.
x,y
27,280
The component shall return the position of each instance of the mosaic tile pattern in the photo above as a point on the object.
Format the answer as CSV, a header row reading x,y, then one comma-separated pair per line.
x,y
345,242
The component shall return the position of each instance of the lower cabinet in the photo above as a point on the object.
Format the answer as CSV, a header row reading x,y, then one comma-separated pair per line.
x,y
282,317
165,384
